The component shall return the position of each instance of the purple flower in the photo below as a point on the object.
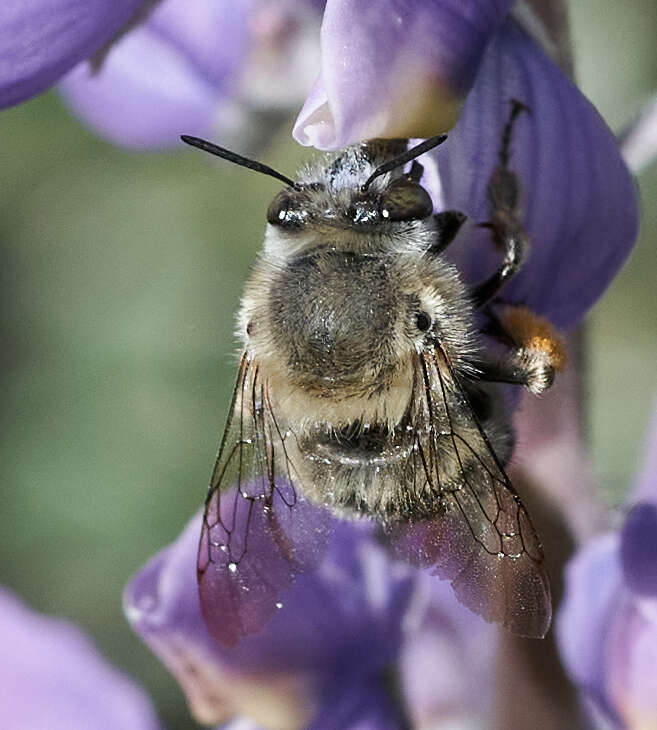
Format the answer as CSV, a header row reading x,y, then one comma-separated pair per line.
x,y
53,678
341,637
43,39
394,68
607,626
577,194
201,67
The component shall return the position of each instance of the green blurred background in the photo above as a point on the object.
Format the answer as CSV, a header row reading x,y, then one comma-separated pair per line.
x,y
120,279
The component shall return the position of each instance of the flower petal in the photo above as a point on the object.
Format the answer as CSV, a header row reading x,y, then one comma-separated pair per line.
x,y
170,75
247,567
42,39
631,653
162,605
593,583
53,678
354,707
358,705
446,661
577,194
638,549
347,613
394,68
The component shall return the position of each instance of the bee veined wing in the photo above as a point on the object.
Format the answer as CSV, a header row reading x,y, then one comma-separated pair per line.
x,y
258,532
481,538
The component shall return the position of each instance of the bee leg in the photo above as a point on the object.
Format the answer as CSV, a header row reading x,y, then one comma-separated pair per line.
x,y
448,224
535,354
506,229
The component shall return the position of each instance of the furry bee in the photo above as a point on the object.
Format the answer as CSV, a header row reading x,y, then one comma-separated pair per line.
x,y
367,385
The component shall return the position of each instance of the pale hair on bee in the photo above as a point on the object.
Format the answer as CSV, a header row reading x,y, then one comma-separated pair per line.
x,y
368,384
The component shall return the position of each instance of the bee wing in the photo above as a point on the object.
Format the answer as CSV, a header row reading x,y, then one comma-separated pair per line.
x,y
258,532
482,540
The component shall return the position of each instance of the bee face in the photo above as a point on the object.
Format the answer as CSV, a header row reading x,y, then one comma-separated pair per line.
x,y
315,203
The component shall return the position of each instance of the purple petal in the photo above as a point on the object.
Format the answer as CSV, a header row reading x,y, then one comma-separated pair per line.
x,y
638,549
639,534
251,553
354,706
162,605
53,678
394,68
578,196
631,654
593,584
357,705
170,75
42,39
446,661
347,613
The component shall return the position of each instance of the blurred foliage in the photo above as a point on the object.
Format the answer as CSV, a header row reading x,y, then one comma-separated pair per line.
x,y
120,279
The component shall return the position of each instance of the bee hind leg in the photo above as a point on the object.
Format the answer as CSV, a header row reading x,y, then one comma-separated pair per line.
x,y
506,228
535,350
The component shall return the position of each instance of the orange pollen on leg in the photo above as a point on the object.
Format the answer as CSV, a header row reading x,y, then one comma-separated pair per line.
x,y
533,332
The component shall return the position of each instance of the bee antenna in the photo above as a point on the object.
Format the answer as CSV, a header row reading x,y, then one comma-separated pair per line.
x,y
225,154
405,157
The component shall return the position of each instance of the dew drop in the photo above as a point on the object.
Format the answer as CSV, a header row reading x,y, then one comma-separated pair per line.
x,y
279,605
232,567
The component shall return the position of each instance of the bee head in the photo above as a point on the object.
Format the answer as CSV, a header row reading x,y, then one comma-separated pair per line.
x,y
296,208
355,192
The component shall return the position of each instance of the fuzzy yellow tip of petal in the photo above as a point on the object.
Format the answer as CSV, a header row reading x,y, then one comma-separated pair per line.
x,y
534,332
422,109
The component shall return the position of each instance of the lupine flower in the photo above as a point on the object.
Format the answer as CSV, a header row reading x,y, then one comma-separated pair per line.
x,y
607,627
394,69
43,39
341,639
148,69
203,67
53,678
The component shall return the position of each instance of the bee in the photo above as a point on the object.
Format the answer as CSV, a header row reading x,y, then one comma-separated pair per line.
x,y
368,388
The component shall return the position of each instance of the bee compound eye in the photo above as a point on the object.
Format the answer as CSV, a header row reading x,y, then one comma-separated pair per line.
x,y
290,208
277,211
405,200
423,321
